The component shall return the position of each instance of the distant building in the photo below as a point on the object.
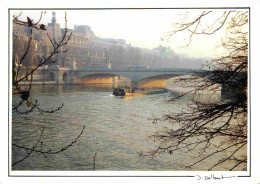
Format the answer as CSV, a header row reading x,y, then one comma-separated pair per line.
x,y
85,49
78,54
111,40
54,28
165,51
84,30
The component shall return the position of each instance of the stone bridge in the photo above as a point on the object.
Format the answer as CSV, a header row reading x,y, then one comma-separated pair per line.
x,y
69,75
135,74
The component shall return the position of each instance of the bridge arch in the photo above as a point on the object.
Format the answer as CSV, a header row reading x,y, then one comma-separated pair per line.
x,y
99,75
182,84
102,78
65,77
51,76
155,81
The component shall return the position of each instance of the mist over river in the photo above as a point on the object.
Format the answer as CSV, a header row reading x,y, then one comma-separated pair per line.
x,y
117,129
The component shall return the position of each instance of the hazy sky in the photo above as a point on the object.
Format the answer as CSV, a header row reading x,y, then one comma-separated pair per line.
x,y
139,27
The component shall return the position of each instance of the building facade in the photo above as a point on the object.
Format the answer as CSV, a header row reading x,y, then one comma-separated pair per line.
x,y
84,50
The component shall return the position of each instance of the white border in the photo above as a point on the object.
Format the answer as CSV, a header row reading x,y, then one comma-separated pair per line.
x,y
255,176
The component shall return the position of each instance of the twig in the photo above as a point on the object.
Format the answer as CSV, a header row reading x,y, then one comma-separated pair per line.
x,y
94,162
30,152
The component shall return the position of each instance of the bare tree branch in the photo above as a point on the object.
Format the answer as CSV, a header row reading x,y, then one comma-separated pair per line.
x,y
25,94
31,150
49,152
197,127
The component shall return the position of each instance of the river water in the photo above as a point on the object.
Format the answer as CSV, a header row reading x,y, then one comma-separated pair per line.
x,y
116,130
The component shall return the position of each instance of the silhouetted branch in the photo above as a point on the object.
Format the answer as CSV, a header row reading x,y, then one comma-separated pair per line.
x,y
217,128
238,163
64,40
229,157
51,111
94,162
45,60
27,111
31,150
25,94
18,105
28,23
42,152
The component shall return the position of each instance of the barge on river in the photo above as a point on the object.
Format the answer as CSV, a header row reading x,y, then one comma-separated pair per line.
x,y
136,92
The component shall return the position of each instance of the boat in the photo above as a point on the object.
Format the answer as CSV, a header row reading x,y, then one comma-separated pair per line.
x,y
136,92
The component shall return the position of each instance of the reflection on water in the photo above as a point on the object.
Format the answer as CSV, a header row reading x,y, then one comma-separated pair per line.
x,y
75,88
116,129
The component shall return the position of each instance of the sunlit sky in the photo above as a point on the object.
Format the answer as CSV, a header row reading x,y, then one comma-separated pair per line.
x,y
139,27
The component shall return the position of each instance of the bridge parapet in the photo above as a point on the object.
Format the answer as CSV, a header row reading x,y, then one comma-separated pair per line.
x,y
135,74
